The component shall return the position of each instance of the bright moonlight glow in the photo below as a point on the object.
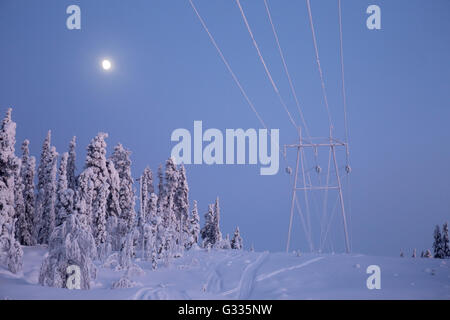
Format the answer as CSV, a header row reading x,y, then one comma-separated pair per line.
x,y
106,64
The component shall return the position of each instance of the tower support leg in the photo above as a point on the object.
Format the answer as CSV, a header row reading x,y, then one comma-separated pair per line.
x,y
294,195
341,199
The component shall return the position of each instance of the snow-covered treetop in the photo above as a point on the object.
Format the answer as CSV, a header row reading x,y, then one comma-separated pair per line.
x,y
7,137
62,182
96,151
122,162
25,149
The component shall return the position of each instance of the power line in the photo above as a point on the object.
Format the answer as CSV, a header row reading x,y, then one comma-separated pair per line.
x,y
228,65
291,85
324,92
255,44
344,98
236,80
344,95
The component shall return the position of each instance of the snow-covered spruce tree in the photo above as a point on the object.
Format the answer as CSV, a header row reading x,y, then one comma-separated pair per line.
x,y
428,254
11,254
182,207
71,165
161,233
116,228
71,244
63,183
445,241
24,228
160,185
46,192
207,232
170,221
149,226
150,244
236,242
147,188
217,233
145,184
152,209
19,205
161,224
437,245
160,240
84,196
40,188
49,211
126,252
226,243
143,196
146,241
64,196
94,190
211,234
127,198
101,235
194,227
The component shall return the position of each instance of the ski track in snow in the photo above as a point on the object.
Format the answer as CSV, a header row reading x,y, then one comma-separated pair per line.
x,y
248,277
274,273
143,293
214,282
162,292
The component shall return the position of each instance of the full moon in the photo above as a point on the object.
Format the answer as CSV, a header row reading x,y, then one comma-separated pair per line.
x,y
106,64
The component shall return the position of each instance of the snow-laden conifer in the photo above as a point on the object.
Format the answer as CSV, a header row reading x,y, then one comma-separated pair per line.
x,y
236,241
71,165
170,221
127,198
94,191
194,227
11,254
182,207
160,185
46,197
46,192
207,232
24,227
217,233
19,205
437,244
226,243
210,233
116,228
71,244
150,229
64,194
445,241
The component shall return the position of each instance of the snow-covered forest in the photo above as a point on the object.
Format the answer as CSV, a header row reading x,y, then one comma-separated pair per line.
x,y
99,214
143,236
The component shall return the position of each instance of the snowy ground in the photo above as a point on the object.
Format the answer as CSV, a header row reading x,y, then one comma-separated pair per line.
x,y
230,274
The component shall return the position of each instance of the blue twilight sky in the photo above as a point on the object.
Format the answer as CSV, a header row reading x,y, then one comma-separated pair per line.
x,y
166,74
